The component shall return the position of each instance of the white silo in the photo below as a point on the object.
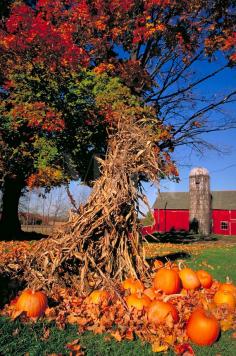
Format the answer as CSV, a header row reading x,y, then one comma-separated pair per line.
x,y
200,201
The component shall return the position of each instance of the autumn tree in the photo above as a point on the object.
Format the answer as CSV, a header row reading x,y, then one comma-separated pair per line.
x,y
53,57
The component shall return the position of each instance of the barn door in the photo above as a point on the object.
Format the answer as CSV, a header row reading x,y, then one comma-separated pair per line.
x,y
233,227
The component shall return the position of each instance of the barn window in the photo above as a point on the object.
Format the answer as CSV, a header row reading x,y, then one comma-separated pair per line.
x,y
224,225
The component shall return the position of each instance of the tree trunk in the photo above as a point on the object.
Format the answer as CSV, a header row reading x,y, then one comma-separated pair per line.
x,y
10,225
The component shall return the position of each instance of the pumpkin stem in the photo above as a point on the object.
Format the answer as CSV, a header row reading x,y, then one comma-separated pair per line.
x,y
181,265
228,280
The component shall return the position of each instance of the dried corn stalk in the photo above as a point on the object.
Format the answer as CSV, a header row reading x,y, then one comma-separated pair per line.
x,y
102,243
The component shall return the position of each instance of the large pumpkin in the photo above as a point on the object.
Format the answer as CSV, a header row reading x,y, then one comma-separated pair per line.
x,y
203,328
205,278
225,298
159,310
189,279
34,303
167,280
138,302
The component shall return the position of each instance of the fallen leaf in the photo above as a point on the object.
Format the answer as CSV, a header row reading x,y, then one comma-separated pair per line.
x,y
184,350
117,335
234,335
169,339
129,335
46,333
75,347
226,324
16,314
74,319
156,347
16,332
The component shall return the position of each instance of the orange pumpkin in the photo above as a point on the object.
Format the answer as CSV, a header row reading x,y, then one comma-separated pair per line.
x,y
228,287
189,279
202,327
159,310
34,303
223,297
134,285
98,296
138,302
205,278
167,280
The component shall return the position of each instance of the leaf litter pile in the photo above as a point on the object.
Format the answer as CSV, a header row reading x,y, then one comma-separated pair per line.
x,y
127,313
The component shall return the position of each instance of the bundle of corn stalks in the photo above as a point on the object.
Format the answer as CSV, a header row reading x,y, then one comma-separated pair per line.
x,y
101,243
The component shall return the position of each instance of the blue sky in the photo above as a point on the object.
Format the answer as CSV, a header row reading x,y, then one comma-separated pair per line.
x,y
221,165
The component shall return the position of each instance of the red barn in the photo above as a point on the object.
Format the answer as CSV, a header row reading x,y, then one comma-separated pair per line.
x,y
171,212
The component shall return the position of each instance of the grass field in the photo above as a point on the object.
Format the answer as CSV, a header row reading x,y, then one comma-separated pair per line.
x,y
19,339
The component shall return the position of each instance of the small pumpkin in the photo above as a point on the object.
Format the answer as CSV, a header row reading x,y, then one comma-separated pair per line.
x,y
167,280
98,296
202,327
189,279
205,278
138,302
225,298
34,303
134,285
159,310
228,287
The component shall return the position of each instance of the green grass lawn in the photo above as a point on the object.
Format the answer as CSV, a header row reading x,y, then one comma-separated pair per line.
x,y
19,339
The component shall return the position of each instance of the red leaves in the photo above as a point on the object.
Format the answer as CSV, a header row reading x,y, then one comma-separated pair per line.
x,y
37,115
75,347
184,350
44,176
48,30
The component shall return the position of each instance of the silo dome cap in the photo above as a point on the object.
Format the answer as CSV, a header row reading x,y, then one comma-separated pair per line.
x,y
199,171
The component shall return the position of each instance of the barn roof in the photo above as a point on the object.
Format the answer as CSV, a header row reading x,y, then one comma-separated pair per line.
x,y
225,200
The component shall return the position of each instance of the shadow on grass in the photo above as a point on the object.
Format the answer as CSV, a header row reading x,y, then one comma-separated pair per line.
x,y
178,237
170,257
22,236
32,235
9,288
